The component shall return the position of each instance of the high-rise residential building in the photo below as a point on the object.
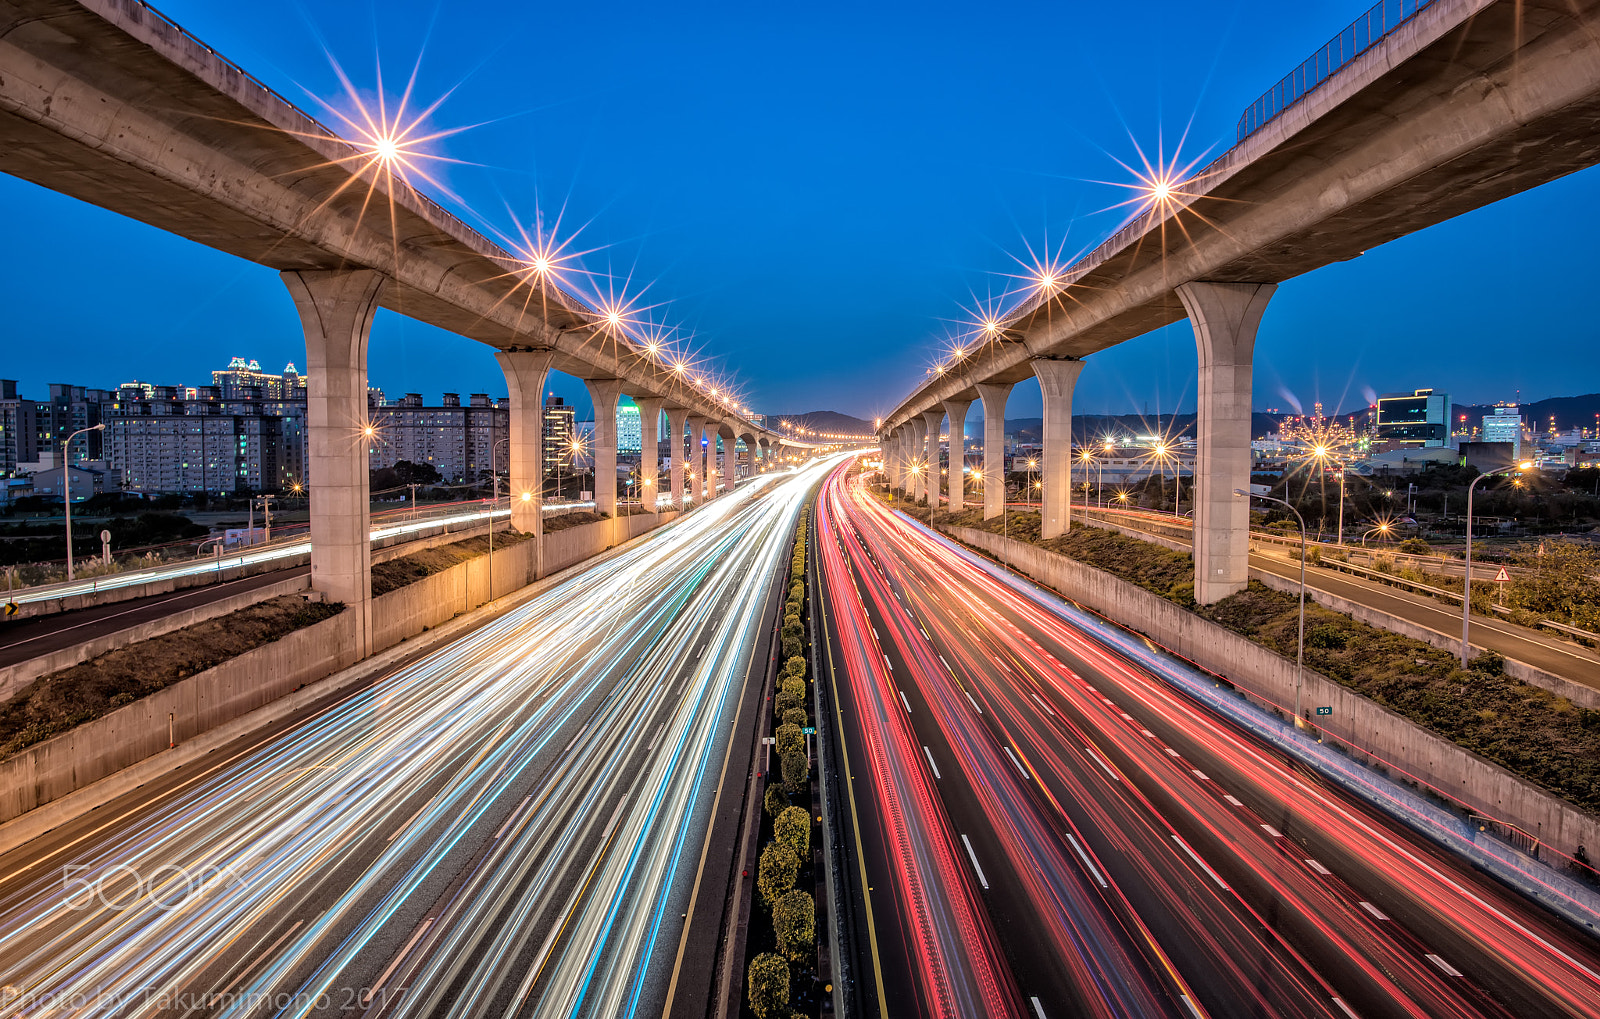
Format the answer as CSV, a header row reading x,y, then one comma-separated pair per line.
x,y
1504,425
457,441
70,409
630,432
242,376
1418,418
560,428
176,439
19,428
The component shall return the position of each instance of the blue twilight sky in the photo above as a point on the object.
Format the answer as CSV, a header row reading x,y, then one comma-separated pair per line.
x,y
818,191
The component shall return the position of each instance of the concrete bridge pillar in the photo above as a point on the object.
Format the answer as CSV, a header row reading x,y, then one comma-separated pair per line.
x,y
916,433
336,310
993,395
649,449
1225,317
1056,376
730,457
933,423
526,372
708,461
957,412
604,394
696,460
675,428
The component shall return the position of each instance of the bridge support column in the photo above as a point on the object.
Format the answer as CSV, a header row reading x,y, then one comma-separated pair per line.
x,y
1056,380
604,394
1225,317
675,428
993,395
708,460
957,412
696,460
730,457
933,422
649,449
336,310
916,435
526,372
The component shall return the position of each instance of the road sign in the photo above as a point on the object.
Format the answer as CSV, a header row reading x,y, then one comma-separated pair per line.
x,y
1502,576
809,730
1325,711
11,608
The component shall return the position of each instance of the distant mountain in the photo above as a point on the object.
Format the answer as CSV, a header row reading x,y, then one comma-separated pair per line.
x,y
828,422
1092,427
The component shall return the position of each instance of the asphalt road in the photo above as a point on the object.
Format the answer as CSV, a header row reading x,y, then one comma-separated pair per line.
x,y
511,825
41,635
1126,835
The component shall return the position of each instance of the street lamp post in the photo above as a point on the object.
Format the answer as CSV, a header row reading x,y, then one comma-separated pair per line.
x,y
1300,644
494,500
66,485
1466,573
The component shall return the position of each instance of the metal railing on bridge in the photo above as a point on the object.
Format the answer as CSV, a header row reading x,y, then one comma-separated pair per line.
x,y
1358,37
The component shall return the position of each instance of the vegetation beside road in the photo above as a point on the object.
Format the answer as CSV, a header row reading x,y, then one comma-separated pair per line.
x,y
1543,737
397,573
62,700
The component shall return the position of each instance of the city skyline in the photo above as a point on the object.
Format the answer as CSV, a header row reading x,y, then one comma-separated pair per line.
x,y
819,220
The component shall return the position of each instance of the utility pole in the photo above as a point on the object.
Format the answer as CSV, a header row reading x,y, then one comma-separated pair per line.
x,y
266,517
66,486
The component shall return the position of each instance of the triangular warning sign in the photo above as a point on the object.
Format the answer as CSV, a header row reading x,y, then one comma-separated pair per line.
x,y
1502,576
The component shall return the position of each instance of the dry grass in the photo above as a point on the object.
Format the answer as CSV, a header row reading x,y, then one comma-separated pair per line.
x,y
61,700
397,573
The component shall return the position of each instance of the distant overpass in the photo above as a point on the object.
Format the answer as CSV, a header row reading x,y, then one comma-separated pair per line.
x,y
111,103
1416,113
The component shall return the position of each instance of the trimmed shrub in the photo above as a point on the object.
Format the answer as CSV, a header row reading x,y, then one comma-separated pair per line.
x,y
777,871
792,629
776,801
793,829
795,687
785,703
792,646
796,774
767,982
790,740
796,716
797,591
794,919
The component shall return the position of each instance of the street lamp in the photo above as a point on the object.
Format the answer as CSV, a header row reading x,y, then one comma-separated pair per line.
x,y
66,485
1300,645
1466,573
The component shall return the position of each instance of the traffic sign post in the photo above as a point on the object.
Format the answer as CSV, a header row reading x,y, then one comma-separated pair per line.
x,y
1325,710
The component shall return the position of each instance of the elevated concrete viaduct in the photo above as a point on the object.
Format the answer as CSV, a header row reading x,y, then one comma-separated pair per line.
x,y
1460,104
107,101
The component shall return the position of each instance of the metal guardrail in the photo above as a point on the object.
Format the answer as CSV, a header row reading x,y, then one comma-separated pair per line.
x,y
1358,37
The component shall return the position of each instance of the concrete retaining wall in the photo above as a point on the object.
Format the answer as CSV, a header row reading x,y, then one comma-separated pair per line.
x,y
54,768
110,596
50,770
1375,734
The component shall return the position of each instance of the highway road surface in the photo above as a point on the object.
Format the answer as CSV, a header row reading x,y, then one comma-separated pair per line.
x,y
1049,829
508,826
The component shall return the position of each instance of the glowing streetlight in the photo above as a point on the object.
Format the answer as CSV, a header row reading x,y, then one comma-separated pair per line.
x,y
1466,576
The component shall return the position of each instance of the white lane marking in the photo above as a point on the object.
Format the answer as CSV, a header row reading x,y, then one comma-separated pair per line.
x,y
924,633
876,635
1098,760
1346,1008
903,700
888,663
1202,776
974,858
1196,1011
1091,689
250,966
1232,800
1043,705
1171,752
612,824
1018,763
935,767
1038,1009
1377,914
974,703
1449,970
1270,830
702,651
366,995
1124,714
1147,732
946,665
1203,865
576,738
1319,868
1086,861
403,827
657,737
513,815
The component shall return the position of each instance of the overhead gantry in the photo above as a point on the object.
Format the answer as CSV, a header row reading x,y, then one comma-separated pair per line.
x,y
1459,105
